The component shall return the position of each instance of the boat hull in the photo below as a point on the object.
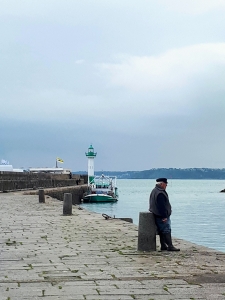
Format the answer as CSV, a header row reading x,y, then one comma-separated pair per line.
x,y
99,198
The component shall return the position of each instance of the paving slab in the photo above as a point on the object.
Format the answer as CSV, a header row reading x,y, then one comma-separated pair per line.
x,y
44,254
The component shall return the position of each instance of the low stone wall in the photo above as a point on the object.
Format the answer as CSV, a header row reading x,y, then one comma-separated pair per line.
x,y
58,193
23,181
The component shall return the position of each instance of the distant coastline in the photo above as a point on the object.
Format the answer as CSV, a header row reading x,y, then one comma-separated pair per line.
x,y
171,173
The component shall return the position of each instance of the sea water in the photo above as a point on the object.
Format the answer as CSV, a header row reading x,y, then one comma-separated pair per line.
x,y
198,208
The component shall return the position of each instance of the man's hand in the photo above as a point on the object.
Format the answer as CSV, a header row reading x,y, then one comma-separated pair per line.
x,y
164,220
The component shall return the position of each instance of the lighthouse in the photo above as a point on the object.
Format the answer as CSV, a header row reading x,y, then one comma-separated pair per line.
x,y
90,155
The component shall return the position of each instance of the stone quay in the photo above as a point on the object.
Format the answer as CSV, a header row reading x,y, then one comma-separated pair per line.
x,y
45,254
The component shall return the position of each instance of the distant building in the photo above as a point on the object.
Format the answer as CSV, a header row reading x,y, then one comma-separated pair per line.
x,y
6,168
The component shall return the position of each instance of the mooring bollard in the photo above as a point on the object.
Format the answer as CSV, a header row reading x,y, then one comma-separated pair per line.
x,y
41,196
76,198
67,204
146,232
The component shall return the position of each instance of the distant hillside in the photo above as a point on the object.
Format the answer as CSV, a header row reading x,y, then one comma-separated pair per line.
x,y
192,173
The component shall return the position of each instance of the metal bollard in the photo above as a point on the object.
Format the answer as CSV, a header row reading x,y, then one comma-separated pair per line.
x,y
67,204
146,232
41,196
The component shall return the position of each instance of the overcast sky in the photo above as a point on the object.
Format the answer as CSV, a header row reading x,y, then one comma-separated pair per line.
x,y
142,81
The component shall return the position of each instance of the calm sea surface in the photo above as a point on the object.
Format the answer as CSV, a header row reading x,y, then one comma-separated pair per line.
x,y
198,208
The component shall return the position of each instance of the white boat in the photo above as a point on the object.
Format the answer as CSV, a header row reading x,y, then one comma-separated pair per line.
x,y
102,189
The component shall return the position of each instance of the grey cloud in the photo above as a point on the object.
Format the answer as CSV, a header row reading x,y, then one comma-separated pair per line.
x,y
55,100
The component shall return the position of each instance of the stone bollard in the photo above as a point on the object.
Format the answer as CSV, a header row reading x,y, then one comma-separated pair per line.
x,y
41,196
146,232
76,198
67,204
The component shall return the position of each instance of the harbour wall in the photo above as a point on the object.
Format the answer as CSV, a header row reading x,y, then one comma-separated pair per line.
x,y
77,192
13,181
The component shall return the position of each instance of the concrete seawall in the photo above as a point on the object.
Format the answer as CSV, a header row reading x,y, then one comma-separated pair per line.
x,y
44,254
12,181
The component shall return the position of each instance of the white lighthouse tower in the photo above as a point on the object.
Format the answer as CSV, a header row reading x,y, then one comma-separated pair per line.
x,y
90,155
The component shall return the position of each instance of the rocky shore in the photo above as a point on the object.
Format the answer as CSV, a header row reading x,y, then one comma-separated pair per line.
x,y
44,254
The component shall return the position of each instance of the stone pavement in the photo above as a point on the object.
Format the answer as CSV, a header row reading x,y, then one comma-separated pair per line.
x,y
44,254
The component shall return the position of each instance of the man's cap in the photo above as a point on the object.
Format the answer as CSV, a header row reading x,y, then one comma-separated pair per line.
x,y
162,180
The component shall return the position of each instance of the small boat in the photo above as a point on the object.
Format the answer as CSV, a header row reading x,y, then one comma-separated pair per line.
x,y
102,189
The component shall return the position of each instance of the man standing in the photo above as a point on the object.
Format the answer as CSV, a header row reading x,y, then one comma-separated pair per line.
x,y
159,205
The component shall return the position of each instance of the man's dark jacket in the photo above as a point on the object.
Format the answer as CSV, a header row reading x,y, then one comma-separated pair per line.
x,y
159,203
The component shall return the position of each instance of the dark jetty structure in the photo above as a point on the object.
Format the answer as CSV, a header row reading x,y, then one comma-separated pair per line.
x,y
54,185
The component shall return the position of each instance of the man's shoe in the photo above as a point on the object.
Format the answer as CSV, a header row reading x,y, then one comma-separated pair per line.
x,y
164,248
168,240
172,248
